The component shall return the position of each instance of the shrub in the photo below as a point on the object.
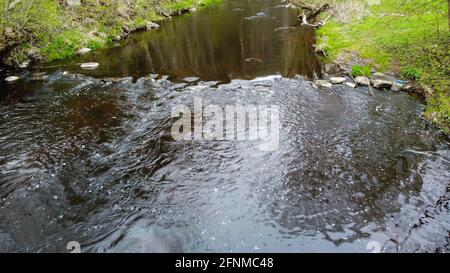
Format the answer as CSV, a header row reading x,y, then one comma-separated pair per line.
x,y
63,46
361,70
411,73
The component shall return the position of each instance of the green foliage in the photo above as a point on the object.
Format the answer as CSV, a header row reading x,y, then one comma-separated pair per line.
x,y
94,44
411,73
410,36
57,31
361,70
63,46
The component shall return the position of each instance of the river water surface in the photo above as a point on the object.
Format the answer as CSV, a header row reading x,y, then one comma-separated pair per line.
x,y
90,157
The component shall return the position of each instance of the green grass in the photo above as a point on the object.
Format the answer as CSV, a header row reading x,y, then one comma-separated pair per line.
x,y
410,38
185,4
57,32
361,70
63,46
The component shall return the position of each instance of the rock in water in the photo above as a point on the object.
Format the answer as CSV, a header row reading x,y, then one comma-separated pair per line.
x,y
337,80
83,50
397,86
322,83
151,25
362,80
25,64
350,84
89,65
381,84
11,78
378,75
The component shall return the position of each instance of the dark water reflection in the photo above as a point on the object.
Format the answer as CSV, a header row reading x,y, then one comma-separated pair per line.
x,y
220,42
91,160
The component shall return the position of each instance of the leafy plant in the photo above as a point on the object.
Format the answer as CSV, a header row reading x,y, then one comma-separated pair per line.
x,y
411,73
361,70
94,44
63,46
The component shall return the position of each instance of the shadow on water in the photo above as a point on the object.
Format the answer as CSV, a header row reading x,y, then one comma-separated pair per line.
x,y
92,160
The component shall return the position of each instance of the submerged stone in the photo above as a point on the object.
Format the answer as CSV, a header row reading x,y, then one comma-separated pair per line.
x,y
90,65
11,78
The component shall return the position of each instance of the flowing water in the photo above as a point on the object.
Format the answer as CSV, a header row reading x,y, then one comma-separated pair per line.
x,y
90,158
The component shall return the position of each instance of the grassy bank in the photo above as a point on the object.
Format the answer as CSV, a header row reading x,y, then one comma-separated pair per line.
x,y
410,38
45,30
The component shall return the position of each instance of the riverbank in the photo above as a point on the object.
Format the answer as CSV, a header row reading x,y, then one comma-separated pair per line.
x,y
50,30
409,39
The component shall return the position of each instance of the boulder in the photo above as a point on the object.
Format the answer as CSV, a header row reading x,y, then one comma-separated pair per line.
x,y
90,65
378,75
362,80
322,83
397,87
337,80
151,25
428,90
11,78
412,87
378,83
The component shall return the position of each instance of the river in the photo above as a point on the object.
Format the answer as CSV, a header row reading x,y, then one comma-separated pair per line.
x,y
88,155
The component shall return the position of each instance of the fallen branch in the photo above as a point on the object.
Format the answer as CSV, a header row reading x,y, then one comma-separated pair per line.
x,y
310,14
313,15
